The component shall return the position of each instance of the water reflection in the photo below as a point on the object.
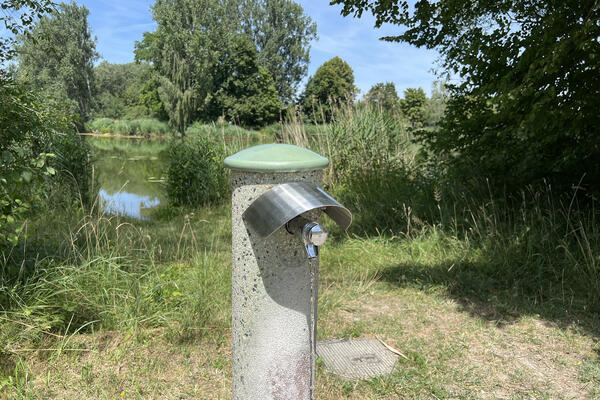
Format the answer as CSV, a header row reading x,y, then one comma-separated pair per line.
x,y
130,175
126,204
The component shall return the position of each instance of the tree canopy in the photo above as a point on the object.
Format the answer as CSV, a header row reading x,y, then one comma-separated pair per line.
x,y
58,56
245,92
196,39
118,88
383,95
282,33
526,103
413,106
332,82
17,16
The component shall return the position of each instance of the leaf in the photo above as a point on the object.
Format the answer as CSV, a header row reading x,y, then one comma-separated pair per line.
x,y
26,175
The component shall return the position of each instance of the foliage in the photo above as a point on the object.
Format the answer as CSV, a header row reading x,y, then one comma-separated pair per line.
x,y
73,182
384,95
149,98
27,11
333,82
413,106
58,56
195,172
436,105
245,93
39,153
128,127
374,170
118,89
538,243
282,34
526,106
195,42
223,133
177,92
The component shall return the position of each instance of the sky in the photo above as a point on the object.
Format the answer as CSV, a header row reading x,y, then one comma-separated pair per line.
x,y
117,24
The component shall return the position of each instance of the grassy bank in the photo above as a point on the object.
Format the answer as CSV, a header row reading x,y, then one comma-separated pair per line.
x,y
142,310
133,127
486,296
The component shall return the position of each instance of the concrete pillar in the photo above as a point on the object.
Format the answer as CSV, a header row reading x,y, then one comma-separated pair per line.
x,y
274,282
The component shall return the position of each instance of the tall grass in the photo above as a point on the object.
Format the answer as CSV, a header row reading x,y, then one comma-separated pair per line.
x,y
137,127
107,273
98,272
545,245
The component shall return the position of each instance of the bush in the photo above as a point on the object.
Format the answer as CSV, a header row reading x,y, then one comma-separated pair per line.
x,y
143,126
195,172
73,166
100,125
220,132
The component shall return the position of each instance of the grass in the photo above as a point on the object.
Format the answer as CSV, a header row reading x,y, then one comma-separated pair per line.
x,y
487,297
134,127
162,330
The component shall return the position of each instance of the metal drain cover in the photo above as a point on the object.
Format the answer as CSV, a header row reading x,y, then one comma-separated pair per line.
x,y
356,359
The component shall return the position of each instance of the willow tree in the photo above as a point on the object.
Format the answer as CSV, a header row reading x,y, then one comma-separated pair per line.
x,y
177,93
200,32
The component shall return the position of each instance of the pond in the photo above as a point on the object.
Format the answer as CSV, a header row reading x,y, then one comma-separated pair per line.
x,y
129,174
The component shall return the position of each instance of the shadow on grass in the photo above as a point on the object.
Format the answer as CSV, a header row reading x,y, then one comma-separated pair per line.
x,y
497,299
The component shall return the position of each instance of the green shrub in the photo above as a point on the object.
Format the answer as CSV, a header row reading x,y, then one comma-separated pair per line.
x,y
374,169
99,125
221,131
73,166
195,172
132,127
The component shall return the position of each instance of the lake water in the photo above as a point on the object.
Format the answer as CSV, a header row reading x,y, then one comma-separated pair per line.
x,y
130,175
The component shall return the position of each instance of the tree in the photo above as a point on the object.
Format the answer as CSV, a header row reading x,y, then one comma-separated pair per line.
x,y
282,33
526,107
149,98
199,34
245,92
184,50
436,106
413,106
118,88
39,150
26,10
177,92
384,96
333,82
58,56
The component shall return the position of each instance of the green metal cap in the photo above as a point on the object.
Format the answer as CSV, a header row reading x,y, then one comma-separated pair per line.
x,y
276,157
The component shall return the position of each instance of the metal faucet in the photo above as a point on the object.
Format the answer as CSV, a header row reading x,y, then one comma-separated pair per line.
x,y
313,236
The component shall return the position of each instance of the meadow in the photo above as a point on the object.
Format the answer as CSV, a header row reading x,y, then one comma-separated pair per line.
x,y
486,297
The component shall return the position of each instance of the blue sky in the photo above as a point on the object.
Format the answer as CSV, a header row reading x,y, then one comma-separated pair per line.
x,y
118,24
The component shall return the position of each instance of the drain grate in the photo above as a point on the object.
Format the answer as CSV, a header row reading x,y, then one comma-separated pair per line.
x,y
356,359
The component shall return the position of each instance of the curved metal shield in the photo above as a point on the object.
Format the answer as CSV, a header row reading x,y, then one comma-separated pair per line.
x,y
276,207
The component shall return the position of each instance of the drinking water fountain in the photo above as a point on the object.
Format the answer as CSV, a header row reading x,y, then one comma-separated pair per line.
x,y
277,204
